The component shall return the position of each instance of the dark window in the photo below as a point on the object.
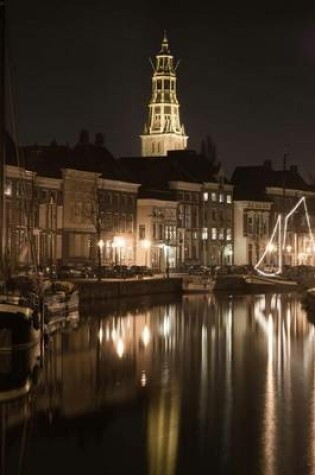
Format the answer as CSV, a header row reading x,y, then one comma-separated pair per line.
x,y
141,231
129,223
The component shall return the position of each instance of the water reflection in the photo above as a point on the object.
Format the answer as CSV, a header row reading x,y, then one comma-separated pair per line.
x,y
19,377
219,384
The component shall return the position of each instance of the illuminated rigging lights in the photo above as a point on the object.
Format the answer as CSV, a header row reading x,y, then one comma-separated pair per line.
x,y
282,237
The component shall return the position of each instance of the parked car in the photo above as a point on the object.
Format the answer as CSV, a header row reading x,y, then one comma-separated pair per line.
x,y
140,271
121,271
67,271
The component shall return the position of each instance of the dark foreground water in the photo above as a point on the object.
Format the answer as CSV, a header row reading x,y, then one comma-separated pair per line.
x,y
203,385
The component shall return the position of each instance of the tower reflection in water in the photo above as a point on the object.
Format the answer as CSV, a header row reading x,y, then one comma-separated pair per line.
x,y
212,382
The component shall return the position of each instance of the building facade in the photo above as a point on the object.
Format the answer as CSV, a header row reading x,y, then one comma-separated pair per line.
x,y
157,233
263,197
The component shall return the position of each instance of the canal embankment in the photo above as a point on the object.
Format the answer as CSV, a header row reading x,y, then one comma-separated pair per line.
x,y
93,290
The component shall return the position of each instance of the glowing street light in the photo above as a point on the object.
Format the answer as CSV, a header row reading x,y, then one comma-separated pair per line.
x,y
100,245
119,242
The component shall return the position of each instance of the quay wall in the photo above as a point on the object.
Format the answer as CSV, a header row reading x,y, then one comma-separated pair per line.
x,y
116,289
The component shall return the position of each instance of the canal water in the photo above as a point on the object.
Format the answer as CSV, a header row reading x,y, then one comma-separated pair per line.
x,y
203,384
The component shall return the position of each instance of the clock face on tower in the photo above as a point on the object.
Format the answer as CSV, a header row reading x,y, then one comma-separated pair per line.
x,y
163,130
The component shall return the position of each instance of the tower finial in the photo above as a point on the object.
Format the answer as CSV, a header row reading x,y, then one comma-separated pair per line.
x,y
165,46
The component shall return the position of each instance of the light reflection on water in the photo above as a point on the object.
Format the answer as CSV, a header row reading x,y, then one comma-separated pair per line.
x,y
206,384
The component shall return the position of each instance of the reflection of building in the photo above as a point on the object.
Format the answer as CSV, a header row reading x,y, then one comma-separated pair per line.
x,y
163,431
164,380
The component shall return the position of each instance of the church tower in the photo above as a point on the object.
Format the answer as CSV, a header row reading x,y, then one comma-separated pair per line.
x,y
163,130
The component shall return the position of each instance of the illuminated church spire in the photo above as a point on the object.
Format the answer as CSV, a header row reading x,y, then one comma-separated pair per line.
x,y
163,130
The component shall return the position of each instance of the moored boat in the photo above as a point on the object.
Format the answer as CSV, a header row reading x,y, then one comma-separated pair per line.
x,y
309,302
61,304
254,283
56,300
19,327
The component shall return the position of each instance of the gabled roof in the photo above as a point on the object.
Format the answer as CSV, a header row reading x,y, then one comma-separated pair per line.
x,y
46,160
50,160
96,158
251,182
197,166
155,173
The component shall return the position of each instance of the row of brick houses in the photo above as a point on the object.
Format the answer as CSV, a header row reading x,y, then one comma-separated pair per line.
x,y
155,211
68,205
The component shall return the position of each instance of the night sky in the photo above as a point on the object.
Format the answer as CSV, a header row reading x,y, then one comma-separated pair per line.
x,y
247,74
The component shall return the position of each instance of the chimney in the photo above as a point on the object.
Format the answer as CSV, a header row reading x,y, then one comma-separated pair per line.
x,y
84,137
267,164
99,139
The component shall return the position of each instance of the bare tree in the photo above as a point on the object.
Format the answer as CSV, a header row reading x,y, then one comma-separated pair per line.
x,y
209,151
93,213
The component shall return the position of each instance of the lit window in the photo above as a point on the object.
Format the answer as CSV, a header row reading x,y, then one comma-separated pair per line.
x,y
228,198
204,233
205,196
229,234
213,197
221,234
221,198
213,233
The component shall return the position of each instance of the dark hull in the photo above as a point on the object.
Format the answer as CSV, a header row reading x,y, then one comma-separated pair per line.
x,y
19,371
309,305
16,331
256,284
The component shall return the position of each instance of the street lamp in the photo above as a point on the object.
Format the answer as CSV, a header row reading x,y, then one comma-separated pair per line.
x,y
167,264
100,245
119,242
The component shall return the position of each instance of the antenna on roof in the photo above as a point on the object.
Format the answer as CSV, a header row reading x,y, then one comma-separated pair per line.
x,y
285,155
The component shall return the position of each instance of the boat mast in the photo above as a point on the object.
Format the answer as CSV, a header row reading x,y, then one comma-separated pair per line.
x,y
2,140
281,239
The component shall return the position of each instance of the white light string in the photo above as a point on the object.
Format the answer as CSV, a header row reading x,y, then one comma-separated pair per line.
x,y
285,228
266,274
